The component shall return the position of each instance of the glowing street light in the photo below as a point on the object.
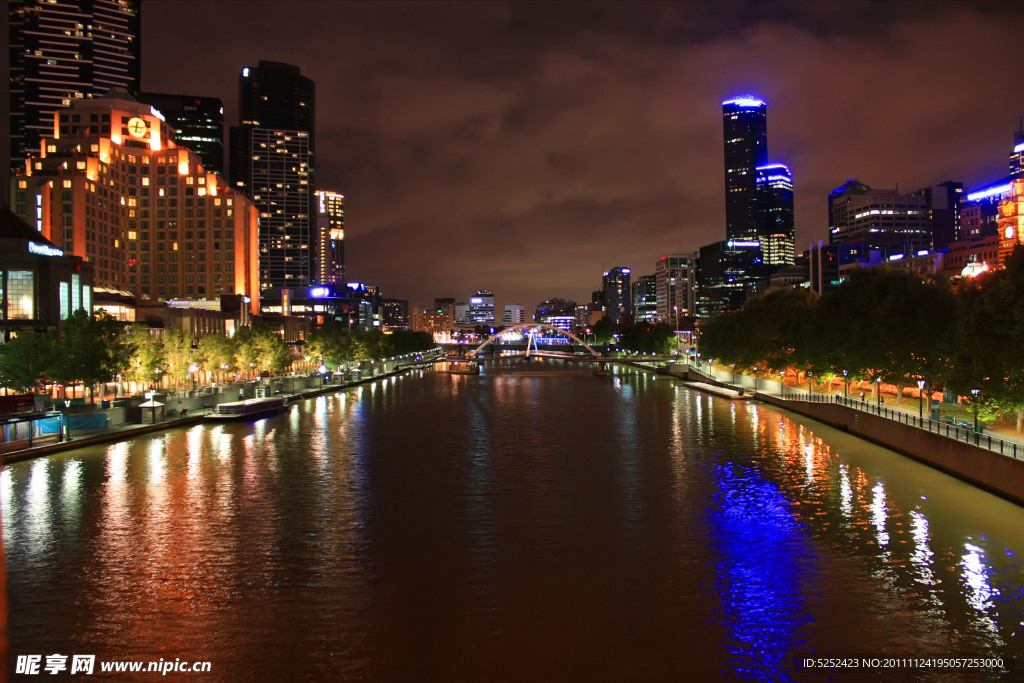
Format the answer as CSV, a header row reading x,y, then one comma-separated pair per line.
x,y
920,398
975,391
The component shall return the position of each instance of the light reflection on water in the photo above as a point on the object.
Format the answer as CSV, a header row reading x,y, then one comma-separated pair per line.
x,y
569,526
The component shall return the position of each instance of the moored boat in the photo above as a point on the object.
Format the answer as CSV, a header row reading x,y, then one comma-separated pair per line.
x,y
247,409
464,368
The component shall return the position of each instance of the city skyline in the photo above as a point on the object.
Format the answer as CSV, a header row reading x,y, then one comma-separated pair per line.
x,y
528,148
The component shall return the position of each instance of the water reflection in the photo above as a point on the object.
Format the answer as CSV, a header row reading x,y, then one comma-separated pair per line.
x,y
532,514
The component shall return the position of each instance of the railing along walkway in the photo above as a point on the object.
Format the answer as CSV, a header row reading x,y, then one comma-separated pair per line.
x,y
952,429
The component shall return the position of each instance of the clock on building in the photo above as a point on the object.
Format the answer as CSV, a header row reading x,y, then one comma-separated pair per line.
x,y
137,127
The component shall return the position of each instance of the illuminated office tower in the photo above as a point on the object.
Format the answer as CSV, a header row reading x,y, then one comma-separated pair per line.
x,y
1017,155
618,295
61,51
272,151
674,289
776,232
645,298
198,124
330,238
746,147
116,190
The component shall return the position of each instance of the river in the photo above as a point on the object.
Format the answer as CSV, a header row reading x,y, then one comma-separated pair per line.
x,y
533,523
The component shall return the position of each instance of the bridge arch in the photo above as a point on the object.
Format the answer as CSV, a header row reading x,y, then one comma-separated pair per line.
x,y
532,326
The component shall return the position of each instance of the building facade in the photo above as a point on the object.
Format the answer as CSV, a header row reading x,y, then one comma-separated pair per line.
x,y
198,124
395,314
727,274
40,285
330,238
882,219
777,227
480,310
618,294
645,299
272,153
114,189
674,289
557,312
745,126
515,314
62,51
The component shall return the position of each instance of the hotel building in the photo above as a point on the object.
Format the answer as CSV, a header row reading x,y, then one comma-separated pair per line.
x,y
111,186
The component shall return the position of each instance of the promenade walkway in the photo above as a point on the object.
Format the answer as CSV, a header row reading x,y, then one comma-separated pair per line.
x,y
86,437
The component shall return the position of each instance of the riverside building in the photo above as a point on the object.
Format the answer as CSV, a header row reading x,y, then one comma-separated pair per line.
x,y
111,186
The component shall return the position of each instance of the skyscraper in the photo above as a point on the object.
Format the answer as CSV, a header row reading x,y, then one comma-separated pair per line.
x,y
674,288
198,124
746,147
330,238
776,231
618,295
272,151
63,50
645,299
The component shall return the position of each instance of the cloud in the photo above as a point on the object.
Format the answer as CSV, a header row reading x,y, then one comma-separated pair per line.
x,y
525,147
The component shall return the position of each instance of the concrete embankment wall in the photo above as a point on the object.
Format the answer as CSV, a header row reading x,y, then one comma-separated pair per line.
x,y
997,473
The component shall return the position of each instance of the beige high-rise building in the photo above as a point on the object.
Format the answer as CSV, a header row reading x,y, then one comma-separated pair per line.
x,y
111,186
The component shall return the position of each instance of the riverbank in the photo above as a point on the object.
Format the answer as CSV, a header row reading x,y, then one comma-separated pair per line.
x,y
90,437
999,471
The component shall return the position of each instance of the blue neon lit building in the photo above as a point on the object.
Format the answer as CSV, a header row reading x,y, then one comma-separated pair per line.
x,y
745,122
776,232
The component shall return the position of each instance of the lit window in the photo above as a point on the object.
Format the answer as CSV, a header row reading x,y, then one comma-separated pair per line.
x,y
21,296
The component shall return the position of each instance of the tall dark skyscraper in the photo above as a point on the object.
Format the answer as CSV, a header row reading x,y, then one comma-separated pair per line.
x,y
63,50
618,295
746,147
272,152
198,124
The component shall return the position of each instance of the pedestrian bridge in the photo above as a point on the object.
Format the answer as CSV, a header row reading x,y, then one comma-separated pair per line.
x,y
529,329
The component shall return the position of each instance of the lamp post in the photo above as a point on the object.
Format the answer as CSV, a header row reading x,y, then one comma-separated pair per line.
x,y
846,384
192,372
920,398
975,391
878,383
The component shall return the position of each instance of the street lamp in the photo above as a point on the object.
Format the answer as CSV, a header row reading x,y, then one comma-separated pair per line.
x,y
192,371
846,385
975,391
920,398
878,382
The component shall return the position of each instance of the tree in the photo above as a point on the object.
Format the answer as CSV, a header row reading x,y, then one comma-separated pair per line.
x,y
216,354
26,359
990,336
87,350
177,354
604,331
145,362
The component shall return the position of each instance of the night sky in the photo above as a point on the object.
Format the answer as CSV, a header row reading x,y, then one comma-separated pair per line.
x,y
527,147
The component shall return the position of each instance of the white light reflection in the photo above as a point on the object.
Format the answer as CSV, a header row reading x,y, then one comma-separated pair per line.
x,y
6,509
976,573
194,443
37,505
71,489
809,461
845,491
878,513
157,470
922,557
